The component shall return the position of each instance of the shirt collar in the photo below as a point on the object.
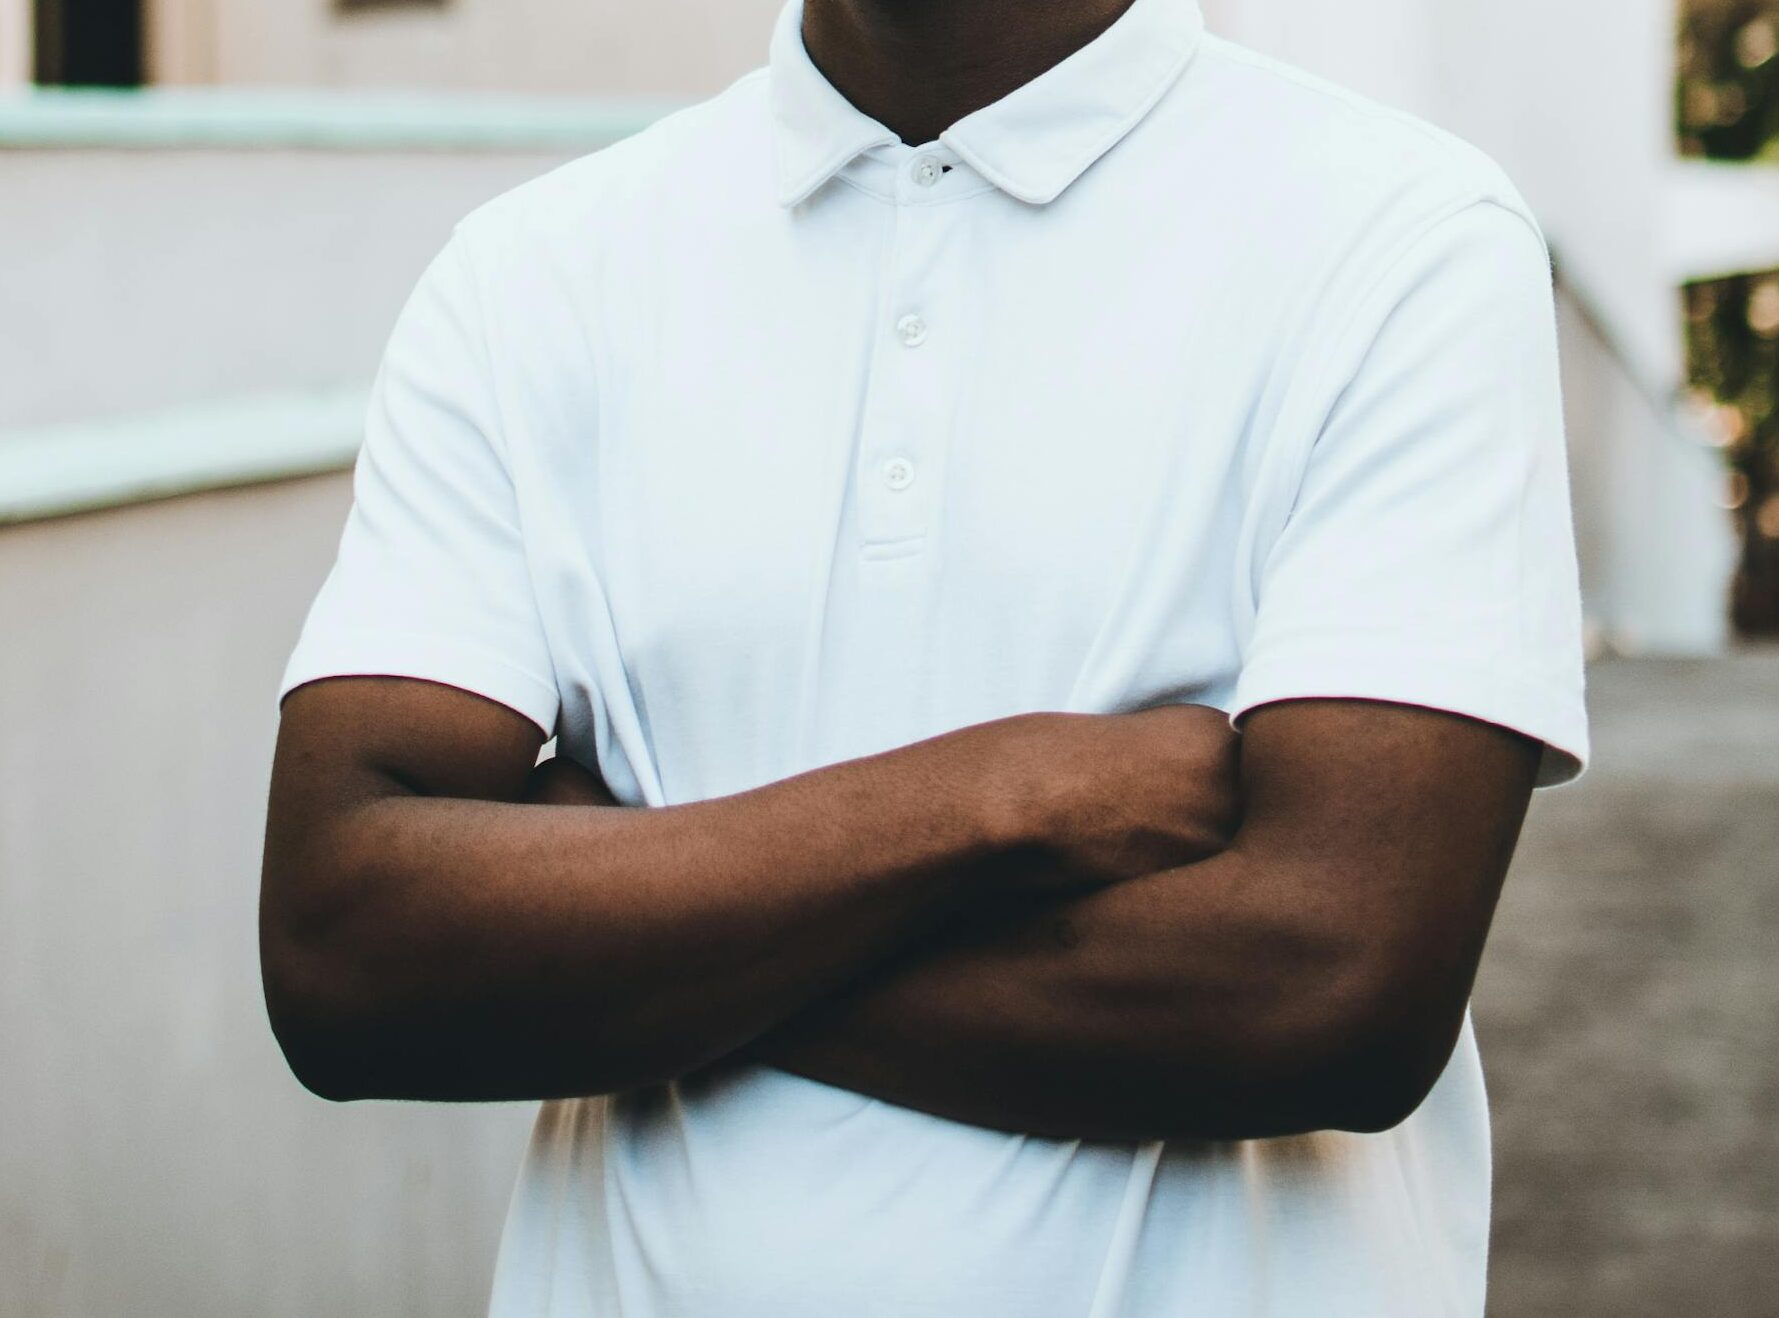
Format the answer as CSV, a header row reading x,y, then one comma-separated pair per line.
x,y
1032,143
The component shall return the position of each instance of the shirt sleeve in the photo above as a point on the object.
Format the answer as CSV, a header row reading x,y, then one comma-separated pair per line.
x,y
1429,555
431,579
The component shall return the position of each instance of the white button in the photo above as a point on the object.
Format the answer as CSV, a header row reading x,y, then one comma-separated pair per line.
x,y
898,473
927,171
912,330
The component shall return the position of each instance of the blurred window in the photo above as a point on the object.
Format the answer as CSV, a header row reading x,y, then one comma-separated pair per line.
x,y
349,6
88,43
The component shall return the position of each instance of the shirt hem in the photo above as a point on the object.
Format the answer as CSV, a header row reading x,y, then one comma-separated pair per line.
x,y
427,659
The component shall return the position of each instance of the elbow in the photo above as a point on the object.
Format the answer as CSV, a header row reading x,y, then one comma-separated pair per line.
x,y
1363,1075
322,1078
1377,1089
1379,1046
318,1064
311,1027
315,1004
1358,1051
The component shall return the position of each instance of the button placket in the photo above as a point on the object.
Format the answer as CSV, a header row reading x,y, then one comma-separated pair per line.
x,y
909,406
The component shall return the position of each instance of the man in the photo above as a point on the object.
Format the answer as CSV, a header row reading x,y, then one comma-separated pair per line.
x,y
1063,524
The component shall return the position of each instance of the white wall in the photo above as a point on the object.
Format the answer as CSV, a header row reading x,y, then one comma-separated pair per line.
x,y
156,1157
1723,219
163,277
15,43
605,47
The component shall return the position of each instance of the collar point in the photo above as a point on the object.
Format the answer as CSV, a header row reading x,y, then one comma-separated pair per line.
x,y
791,192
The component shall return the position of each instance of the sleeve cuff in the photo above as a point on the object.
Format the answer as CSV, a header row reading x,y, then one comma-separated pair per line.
x,y
429,659
1553,712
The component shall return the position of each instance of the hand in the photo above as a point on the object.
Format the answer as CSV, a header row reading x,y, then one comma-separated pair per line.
x,y
1095,798
1108,797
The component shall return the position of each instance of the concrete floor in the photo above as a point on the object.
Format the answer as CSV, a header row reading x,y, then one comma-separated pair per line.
x,y
1628,1009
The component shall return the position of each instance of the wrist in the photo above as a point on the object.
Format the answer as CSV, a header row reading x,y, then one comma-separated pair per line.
x,y
1010,789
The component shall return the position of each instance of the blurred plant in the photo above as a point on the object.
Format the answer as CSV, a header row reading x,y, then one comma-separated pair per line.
x,y
1728,89
1727,108
1733,362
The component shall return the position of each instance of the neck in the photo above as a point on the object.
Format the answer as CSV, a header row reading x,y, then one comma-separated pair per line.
x,y
918,66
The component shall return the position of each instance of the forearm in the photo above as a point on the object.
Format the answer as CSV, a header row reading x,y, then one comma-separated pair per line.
x,y
1313,974
469,949
1173,1006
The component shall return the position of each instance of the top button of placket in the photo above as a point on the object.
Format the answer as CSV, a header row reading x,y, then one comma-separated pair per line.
x,y
926,171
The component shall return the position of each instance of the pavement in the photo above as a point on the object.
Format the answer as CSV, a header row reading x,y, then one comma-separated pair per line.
x,y
1628,1009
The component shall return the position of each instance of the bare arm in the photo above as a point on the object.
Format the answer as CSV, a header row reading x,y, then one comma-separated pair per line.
x,y
427,933
1314,975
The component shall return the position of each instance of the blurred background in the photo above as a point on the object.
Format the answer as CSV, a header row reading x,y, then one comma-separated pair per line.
x,y
210,212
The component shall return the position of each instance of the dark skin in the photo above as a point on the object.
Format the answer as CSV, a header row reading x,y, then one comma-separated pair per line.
x,y
1312,974
918,66
429,932
1045,923
1096,926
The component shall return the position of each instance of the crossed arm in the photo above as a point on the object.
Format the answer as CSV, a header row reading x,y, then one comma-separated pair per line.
x,y
1053,924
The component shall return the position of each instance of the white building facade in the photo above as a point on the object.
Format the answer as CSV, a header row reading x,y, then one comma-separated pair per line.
x,y
1576,101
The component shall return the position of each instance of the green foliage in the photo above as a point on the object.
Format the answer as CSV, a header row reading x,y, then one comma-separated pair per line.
x,y
1727,94
1733,362
1728,108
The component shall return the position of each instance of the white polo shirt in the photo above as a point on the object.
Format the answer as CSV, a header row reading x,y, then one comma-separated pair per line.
x,y
762,440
